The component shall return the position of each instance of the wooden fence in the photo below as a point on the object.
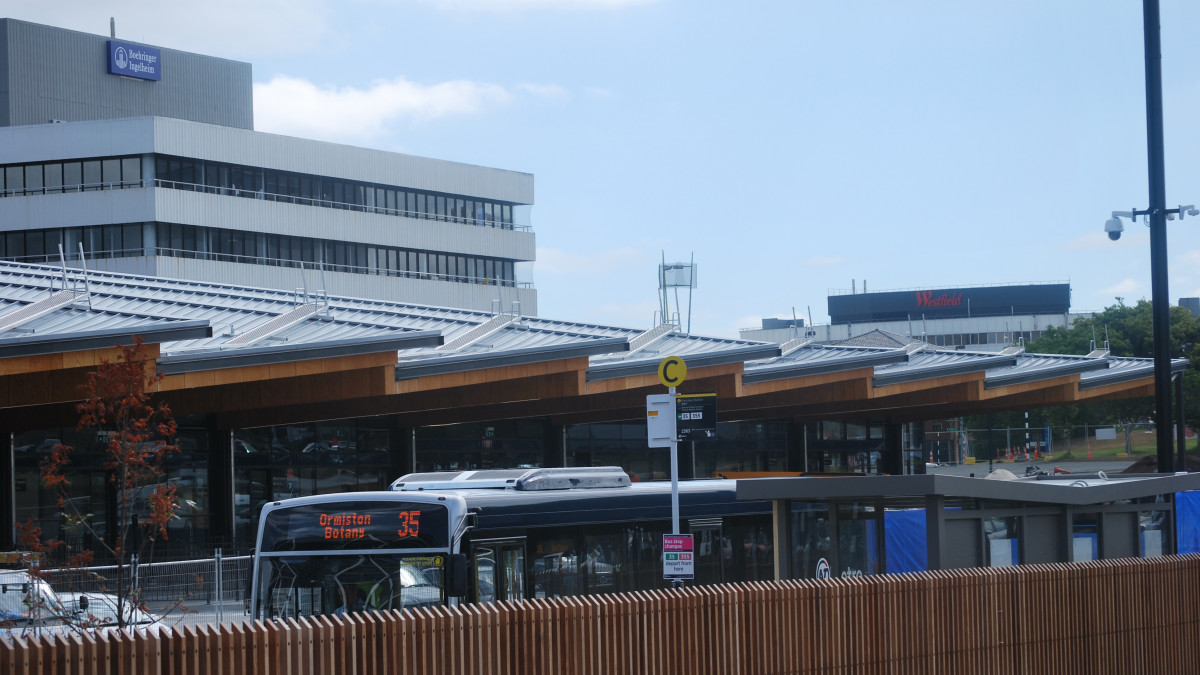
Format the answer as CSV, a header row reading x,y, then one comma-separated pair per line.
x,y
1119,616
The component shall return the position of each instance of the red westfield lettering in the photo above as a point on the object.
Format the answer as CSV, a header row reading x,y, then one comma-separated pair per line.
x,y
926,299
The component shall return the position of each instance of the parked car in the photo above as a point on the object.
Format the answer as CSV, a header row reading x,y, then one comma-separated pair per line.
x,y
99,610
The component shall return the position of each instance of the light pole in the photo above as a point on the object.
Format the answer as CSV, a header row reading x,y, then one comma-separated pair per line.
x,y
1156,215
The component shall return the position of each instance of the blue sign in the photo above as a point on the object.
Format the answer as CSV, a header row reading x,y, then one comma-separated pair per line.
x,y
132,60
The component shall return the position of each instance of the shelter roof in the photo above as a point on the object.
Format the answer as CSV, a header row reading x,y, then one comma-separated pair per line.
x,y
232,348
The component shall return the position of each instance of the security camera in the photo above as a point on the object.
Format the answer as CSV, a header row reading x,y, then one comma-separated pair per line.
x,y
1114,228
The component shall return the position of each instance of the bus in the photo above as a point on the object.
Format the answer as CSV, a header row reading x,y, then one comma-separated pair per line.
x,y
446,538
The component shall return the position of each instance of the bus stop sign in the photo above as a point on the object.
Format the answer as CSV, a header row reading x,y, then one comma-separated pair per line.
x,y
678,559
696,416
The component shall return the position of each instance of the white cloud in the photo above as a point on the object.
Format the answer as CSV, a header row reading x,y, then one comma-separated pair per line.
x,y
1098,240
599,93
545,90
556,261
1189,258
296,107
1124,288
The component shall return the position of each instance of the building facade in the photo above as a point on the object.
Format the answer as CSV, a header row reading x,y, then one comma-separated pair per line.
x,y
983,318
166,177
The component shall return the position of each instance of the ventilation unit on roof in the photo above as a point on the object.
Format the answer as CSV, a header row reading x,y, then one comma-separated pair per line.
x,y
526,480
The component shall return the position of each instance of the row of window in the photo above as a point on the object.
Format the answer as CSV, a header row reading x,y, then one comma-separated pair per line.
x,y
253,183
209,243
71,176
967,339
297,188
100,241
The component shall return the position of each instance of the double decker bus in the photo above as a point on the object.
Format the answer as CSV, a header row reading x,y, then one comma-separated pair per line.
x,y
482,536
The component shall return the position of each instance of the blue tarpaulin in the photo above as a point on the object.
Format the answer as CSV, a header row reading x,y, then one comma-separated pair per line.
x,y
1187,521
904,533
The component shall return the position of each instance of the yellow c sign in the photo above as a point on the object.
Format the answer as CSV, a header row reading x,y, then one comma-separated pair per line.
x,y
671,371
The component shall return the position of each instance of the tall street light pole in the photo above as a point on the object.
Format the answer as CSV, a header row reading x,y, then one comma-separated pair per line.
x,y
1160,302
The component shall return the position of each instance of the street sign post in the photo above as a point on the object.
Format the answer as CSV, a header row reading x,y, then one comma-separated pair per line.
x,y
679,561
696,417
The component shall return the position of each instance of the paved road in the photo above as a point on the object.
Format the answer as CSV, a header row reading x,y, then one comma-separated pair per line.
x,y
981,470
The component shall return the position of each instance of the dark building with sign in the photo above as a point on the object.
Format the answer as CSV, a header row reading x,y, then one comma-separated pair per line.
x,y
987,318
950,303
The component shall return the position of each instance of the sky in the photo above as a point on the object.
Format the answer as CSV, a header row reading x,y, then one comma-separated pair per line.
x,y
792,149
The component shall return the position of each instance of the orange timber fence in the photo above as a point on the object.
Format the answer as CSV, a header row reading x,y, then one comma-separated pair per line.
x,y
1119,616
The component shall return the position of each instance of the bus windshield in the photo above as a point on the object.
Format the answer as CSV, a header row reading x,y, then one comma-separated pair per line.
x,y
347,555
295,586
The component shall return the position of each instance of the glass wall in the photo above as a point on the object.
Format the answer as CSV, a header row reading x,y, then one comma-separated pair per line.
x,y
311,190
296,460
739,446
511,444
76,175
92,496
844,447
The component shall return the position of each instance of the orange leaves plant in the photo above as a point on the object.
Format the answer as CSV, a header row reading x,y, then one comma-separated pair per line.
x,y
138,436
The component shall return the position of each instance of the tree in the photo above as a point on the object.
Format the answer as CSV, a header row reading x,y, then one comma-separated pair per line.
x,y
1128,330
138,438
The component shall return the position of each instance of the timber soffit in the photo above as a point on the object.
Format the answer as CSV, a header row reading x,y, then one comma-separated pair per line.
x,y
180,313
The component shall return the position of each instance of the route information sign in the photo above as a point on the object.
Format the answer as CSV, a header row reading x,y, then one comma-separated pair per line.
x,y
678,559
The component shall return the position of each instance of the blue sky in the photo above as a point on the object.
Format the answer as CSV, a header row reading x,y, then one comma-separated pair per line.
x,y
790,147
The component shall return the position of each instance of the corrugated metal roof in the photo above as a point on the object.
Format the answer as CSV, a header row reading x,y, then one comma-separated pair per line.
x,y
1035,367
195,322
814,359
1123,369
931,363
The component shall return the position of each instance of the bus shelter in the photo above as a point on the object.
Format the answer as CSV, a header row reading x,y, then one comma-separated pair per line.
x,y
854,526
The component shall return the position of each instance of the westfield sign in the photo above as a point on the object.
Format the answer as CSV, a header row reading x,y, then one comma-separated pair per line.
x,y
926,299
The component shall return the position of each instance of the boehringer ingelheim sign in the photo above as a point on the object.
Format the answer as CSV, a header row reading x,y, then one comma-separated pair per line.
x,y
133,60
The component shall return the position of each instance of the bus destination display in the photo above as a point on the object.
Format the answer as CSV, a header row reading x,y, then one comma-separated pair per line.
x,y
357,525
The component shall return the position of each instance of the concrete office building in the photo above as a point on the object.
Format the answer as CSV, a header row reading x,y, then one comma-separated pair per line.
x,y
147,159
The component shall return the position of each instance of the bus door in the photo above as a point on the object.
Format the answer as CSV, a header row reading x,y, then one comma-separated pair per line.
x,y
713,550
499,569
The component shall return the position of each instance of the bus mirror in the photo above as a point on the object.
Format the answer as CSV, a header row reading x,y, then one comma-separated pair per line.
x,y
456,575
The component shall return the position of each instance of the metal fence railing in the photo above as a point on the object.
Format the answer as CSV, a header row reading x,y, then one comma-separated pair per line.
x,y
188,592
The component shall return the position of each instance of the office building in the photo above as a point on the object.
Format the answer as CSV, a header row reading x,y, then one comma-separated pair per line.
x,y
145,158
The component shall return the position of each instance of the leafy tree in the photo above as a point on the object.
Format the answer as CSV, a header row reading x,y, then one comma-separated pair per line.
x,y
1128,329
138,438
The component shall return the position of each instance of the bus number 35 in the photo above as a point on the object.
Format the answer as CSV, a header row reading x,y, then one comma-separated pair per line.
x,y
409,523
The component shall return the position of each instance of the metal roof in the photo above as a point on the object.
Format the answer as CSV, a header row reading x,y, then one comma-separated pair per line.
x,y
1068,490
201,325
930,363
813,359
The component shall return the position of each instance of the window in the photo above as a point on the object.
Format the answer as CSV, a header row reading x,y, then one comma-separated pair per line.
x,y
131,170
72,176
91,175
14,179
110,170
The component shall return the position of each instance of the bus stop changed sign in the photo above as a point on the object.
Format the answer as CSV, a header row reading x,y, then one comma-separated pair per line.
x,y
678,559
